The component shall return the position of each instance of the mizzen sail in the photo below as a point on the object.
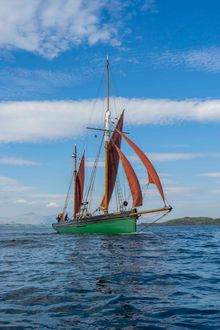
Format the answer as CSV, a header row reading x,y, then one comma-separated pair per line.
x,y
79,186
152,174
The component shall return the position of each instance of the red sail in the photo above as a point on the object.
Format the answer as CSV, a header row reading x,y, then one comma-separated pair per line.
x,y
132,180
113,159
79,186
152,174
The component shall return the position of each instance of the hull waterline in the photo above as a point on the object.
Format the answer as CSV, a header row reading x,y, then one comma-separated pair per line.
x,y
105,225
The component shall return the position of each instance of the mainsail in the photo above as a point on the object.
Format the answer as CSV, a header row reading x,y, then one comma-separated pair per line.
x,y
79,186
132,180
152,174
113,159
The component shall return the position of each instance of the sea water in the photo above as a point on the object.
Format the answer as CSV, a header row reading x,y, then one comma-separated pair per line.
x,y
164,278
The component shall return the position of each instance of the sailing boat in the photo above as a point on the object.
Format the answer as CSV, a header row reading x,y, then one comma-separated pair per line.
x,y
124,220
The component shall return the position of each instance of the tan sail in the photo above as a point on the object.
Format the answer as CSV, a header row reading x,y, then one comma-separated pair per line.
x,y
113,159
79,186
132,180
152,174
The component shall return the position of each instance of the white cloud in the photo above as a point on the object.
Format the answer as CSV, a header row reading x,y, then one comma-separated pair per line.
x,y
175,156
35,121
164,157
26,198
48,120
24,202
207,59
10,187
52,205
50,27
90,163
21,83
4,180
179,190
211,174
170,156
150,6
17,161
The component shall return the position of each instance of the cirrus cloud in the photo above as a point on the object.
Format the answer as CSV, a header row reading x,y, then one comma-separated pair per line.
x,y
211,174
205,59
17,161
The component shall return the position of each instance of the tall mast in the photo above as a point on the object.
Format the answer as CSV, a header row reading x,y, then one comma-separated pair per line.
x,y
107,138
75,173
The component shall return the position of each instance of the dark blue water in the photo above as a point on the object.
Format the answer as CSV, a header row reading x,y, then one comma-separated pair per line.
x,y
166,278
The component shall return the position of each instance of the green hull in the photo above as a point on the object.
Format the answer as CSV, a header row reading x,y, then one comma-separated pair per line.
x,y
110,226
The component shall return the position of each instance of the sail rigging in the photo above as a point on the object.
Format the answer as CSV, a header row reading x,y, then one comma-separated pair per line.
x,y
79,186
101,221
152,174
132,180
113,160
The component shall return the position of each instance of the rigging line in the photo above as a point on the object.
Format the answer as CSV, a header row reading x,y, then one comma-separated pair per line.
x,y
117,181
129,121
145,190
92,177
119,192
91,194
94,103
152,232
96,98
129,196
115,87
150,224
92,182
116,199
125,187
68,193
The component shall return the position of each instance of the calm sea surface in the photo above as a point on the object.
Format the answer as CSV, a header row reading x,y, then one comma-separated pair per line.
x,y
166,278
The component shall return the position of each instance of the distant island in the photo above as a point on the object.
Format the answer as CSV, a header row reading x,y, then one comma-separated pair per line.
x,y
36,219
190,221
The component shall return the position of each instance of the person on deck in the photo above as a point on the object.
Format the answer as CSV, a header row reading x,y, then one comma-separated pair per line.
x,y
59,217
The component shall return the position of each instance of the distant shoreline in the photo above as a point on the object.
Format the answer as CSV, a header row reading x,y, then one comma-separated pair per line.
x,y
173,222
190,221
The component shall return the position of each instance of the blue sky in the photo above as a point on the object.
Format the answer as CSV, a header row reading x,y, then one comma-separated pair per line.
x,y
165,71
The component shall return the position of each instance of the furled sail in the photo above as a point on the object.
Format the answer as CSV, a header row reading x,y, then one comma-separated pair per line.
x,y
132,180
113,158
79,186
152,174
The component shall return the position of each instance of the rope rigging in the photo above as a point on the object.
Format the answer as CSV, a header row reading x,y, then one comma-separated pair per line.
x,y
89,191
68,193
150,224
88,196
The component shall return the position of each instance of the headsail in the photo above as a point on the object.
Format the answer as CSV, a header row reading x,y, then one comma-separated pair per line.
x,y
152,174
132,180
113,159
79,186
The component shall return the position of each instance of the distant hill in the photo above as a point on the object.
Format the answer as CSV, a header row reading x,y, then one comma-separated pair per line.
x,y
191,221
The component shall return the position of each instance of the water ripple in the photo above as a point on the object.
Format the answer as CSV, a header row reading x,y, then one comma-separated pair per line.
x,y
167,278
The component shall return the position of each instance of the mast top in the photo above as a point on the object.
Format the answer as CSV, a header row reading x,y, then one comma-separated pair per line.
x,y
107,112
